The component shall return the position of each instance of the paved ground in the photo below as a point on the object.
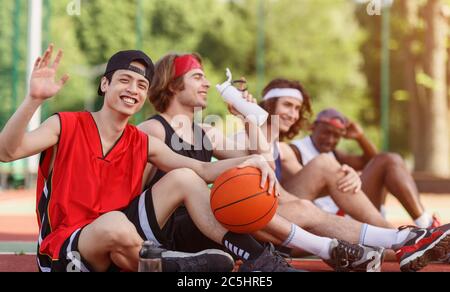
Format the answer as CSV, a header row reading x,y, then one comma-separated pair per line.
x,y
18,229
18,219
27,263
17,216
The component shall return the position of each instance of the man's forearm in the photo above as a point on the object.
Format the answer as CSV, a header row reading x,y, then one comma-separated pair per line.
x,y
257,140
210,171
15,129
258,143
368,148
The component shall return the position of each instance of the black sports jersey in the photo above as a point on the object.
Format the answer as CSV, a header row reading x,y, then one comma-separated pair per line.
x,y
201,150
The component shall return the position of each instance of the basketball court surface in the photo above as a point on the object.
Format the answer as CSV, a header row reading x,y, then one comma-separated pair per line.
x,y
18,232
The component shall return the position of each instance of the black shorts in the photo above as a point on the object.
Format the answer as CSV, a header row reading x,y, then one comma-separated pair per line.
x,y
141,212
179,233
187,237
70,259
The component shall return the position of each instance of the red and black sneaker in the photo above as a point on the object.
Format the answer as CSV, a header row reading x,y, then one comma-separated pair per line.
x,y
423,246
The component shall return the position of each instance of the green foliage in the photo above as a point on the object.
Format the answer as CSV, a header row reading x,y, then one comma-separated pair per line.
x,y
78,92
371,49
316,42
7,39
105,27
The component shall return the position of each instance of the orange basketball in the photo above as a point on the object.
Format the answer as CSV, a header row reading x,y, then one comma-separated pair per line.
x,y
239,203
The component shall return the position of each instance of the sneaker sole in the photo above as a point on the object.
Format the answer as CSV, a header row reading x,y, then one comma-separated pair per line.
x,y
177,254
375,264
434,252
376,268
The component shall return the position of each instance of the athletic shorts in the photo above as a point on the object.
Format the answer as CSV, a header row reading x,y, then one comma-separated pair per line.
x,y
179,233
70,259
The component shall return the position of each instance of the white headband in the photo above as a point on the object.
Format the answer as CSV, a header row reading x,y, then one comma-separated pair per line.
x,y
279,92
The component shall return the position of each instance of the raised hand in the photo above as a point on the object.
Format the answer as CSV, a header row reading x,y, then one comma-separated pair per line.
x,y
353,131
241,86
43,84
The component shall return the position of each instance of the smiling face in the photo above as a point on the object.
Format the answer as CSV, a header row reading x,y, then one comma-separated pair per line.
x,y
127,91
195,90
326,137
293,111
288,109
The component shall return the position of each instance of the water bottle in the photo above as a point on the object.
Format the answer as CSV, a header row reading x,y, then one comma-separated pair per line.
x,y
150,258
232,95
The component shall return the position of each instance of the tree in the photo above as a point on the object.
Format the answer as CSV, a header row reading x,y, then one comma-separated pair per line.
x,y
436,142
418,80
318,43
411,63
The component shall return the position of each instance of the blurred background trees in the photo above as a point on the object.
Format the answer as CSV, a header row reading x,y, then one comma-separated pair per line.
x,y
332,46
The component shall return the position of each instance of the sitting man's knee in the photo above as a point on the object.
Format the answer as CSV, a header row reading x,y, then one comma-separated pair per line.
x,y
111,218
389,159
324,161
115,228
182,176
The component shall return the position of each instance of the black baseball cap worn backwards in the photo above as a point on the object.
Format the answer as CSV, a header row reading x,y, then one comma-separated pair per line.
x,y
122,61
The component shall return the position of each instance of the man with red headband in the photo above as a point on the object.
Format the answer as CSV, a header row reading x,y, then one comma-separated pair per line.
x,y
380,172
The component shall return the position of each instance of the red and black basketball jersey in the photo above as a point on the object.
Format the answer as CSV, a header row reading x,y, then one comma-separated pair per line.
x,y
84,183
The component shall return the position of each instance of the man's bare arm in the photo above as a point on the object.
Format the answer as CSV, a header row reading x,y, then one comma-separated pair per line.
x,y
167,160
232,147
31,143
15,141
256,138
358,162
290,165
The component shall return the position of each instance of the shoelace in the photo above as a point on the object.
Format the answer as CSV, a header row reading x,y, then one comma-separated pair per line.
x,y
278,257
281,259
403,227
345,254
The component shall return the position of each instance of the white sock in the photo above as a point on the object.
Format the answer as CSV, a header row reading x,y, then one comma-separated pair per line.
x,y
299,238
377,236
424,221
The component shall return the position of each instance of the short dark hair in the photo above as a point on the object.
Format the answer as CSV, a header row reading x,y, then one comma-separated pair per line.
x,y
109,78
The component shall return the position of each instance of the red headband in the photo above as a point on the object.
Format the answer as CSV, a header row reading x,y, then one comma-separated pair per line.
x,y
185,64
335,122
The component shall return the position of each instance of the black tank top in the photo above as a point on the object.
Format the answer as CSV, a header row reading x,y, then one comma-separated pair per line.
x,y
201,150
